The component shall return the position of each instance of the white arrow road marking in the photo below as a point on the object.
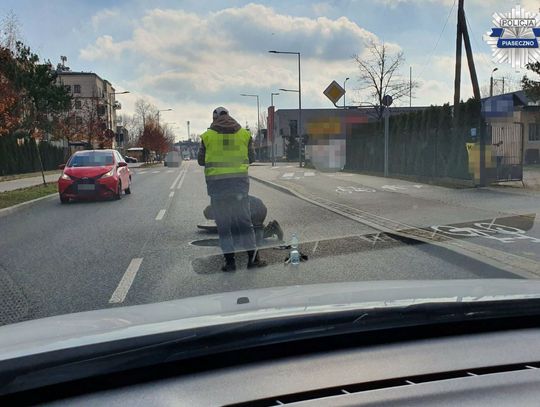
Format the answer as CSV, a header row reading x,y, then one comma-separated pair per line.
x,y
119,295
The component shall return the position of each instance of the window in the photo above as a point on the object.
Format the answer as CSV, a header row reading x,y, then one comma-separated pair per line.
x,y
78,104
68,88
101,110
293,127
76,88
78,121
534,131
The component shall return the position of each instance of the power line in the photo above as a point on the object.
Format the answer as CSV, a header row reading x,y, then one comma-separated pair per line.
x,y
438,39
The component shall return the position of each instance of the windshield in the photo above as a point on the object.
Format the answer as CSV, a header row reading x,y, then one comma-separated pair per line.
x,y
91,160
263,144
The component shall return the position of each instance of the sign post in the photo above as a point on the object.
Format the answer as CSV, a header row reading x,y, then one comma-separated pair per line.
x,y
270,130
387,101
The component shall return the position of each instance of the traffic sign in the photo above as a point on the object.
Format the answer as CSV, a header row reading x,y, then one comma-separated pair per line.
x,y
334,92
387,100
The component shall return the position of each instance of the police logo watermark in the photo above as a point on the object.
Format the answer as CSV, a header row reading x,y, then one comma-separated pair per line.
x,y
514,39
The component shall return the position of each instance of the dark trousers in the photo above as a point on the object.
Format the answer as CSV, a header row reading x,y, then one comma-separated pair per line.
x,y
233,220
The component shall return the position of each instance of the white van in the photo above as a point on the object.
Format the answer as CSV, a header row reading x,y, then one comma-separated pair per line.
x,y
173,159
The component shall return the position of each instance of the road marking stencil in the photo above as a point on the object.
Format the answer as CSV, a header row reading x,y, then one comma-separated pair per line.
x,y
119,295
171,194
288,175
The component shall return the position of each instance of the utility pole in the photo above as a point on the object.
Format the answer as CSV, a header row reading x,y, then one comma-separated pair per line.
x,y
457,75
463,36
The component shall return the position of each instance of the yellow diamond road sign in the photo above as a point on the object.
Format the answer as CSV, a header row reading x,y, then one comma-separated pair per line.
x,y
334,92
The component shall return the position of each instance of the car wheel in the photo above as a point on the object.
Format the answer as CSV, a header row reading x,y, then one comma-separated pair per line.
x,y
128,189
63,199
119,191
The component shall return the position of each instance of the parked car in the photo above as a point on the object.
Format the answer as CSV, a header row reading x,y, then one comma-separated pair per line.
x,y
94,174
129,159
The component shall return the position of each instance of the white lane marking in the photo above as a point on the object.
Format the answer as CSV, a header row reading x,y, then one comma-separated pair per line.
x,y
288,175
160,214
171,194
315,247
119,295
169,171
142,172
181,180
176,180
309,174
156,172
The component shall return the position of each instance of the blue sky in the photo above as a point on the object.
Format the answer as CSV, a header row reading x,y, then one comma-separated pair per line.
x,y
194,55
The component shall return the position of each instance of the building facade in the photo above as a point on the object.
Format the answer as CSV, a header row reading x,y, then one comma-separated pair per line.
x,y
93,112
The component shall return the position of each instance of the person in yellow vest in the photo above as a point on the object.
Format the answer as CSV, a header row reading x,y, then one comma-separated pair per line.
x,y
226,151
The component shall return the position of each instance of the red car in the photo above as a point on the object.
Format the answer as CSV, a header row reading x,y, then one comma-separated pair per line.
x,y
94,174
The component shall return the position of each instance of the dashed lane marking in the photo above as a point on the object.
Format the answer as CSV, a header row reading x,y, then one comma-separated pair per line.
x,y
160,214
119,295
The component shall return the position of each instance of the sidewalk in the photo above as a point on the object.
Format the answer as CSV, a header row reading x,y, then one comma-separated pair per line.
x,y
27,182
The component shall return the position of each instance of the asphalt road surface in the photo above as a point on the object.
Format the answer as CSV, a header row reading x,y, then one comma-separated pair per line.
x,y
57,259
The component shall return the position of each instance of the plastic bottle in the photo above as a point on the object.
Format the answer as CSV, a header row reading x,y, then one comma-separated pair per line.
x,y
295,254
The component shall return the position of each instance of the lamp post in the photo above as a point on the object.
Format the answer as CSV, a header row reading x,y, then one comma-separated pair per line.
x,y
491,82
300,140
273,127
188,137
258,122
344,84
162,110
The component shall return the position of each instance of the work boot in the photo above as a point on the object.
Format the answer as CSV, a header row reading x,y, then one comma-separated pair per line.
x,y
230,263
254,261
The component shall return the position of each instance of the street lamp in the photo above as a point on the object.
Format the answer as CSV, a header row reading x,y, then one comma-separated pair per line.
x,y
188,136
273,127
258,121
288,90
300,141
162,110
491,82
344,83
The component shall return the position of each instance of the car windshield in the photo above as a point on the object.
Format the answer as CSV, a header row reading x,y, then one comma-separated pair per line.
x,y
267,144
91,160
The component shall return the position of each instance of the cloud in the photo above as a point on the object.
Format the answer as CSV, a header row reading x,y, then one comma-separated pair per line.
x,y
102,16
202,60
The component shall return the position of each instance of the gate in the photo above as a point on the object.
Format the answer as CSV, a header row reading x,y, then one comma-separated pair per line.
x,y
507,145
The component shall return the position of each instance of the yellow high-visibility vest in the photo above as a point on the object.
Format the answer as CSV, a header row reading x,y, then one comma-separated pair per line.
x,y
226,154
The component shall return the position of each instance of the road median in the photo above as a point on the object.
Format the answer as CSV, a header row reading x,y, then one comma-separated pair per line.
x,y
12,201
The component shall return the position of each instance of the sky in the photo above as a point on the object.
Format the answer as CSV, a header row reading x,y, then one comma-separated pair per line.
x,y
192,56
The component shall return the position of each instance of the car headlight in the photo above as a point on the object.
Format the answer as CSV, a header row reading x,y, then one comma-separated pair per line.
x,y
65,176
108,174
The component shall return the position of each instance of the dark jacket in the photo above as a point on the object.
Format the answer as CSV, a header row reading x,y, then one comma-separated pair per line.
x,y
237,185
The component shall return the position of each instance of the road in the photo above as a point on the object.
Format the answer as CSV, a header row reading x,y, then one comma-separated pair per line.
x,y
145,248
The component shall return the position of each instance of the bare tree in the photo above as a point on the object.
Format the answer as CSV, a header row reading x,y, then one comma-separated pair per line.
x,y
379,74
9,31
144,111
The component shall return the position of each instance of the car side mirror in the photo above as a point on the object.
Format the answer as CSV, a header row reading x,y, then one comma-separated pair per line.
x,y
122,164
61,166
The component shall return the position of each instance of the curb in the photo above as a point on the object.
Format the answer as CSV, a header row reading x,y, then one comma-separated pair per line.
x,y
519,266
15,208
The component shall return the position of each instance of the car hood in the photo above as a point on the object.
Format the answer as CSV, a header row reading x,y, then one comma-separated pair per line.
x,y
78,329
90,172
